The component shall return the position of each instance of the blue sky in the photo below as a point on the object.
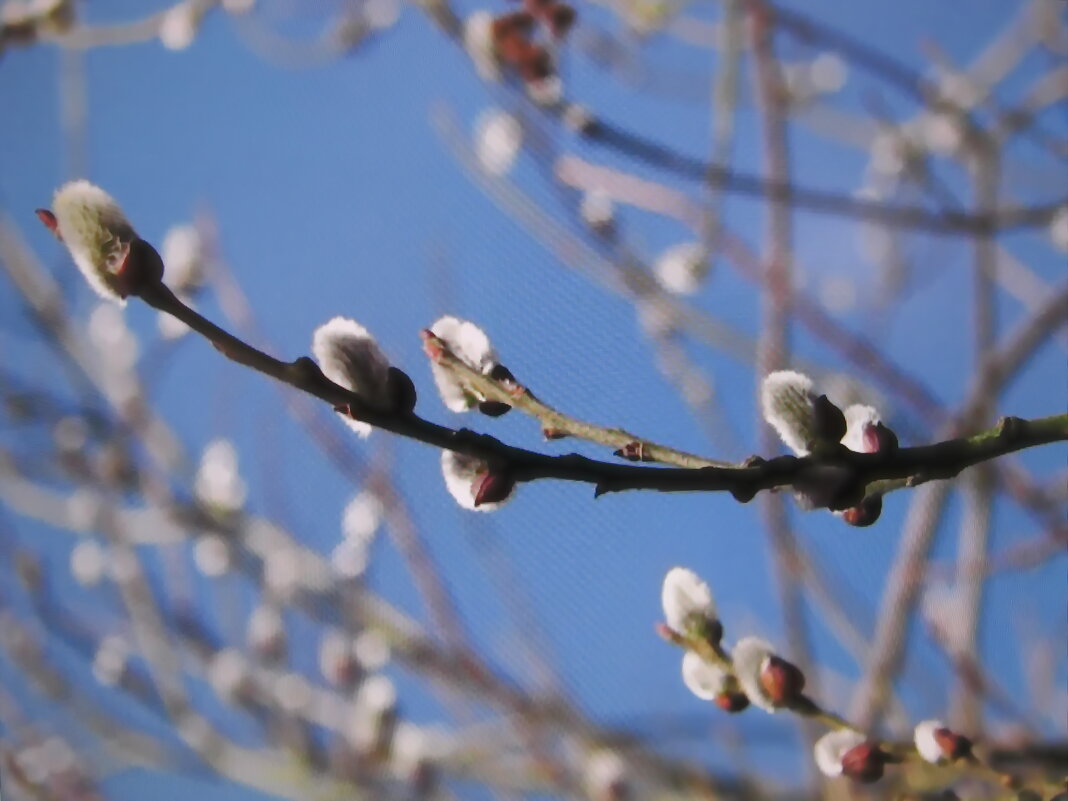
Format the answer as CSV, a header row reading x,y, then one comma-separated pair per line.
x,y
334,193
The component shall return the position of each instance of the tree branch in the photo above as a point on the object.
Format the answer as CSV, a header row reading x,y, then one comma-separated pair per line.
x,y
916,465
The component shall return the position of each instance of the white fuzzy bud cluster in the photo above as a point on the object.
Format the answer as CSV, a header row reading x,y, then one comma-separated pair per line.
x,y
806,421
751,673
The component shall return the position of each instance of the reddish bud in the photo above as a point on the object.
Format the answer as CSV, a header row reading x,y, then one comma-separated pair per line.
x,y
432,346
953,745
879,439
665,632
493,488
865,513
632,452
49,220
864,763
782,681
553,433
732,701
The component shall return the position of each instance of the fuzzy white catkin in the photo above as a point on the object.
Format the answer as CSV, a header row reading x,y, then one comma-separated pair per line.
x,y
349,356
684,595
858,417
362,517
788,402
498,137
926,744
88,563
751,655
178,27
831,747
182,252
461,473
95,231
408,751
605,770
597,209
470,344
705,680
682,268
218,483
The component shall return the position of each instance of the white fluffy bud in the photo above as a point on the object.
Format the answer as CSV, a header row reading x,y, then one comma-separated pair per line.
x,y
703,679
605,776
470,344
751,655
179,25
88,563
218,484
858,417
926,744
183,256
832,747
684,596
498,136
465,477
96,232
789,407
682,268
349,356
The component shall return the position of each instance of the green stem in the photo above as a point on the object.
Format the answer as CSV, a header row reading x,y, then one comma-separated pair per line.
x,y
557,424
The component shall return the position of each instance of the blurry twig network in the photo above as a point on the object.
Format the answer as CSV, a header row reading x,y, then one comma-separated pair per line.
x,y
609,401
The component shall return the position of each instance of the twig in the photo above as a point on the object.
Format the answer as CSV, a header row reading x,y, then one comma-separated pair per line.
x,y
555,424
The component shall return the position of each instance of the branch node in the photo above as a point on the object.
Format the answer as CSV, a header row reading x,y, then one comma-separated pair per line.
x,y
1009,428
633,451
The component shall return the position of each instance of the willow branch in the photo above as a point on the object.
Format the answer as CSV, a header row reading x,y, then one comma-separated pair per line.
x,y
975,764
938,461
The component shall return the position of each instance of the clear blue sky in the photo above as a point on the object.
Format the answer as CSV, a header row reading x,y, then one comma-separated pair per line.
x,y
334,194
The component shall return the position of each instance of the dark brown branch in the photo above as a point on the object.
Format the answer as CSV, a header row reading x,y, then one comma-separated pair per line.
x,y
940,460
